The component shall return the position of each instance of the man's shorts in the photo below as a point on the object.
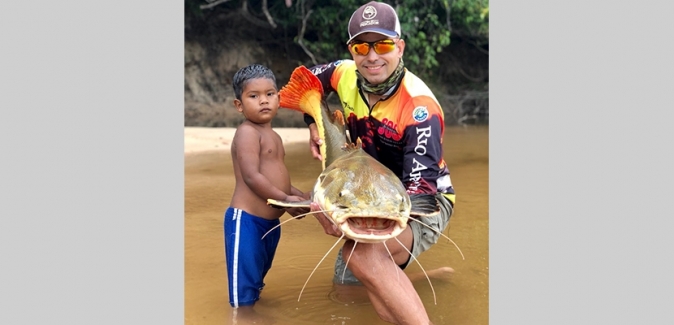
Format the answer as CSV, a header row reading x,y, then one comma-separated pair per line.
x,y
424,238
248,256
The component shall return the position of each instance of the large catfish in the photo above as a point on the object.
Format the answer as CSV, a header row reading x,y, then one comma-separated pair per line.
x,y
361,196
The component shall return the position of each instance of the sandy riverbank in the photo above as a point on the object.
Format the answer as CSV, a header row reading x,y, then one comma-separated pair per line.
x,y
204,139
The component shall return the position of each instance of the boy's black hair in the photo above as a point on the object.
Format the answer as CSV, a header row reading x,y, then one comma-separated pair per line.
x,y
252,71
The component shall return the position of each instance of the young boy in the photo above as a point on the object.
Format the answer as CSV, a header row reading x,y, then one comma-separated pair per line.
x,y
257,155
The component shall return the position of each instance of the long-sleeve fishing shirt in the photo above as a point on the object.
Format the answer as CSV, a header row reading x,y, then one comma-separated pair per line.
x,y
403,131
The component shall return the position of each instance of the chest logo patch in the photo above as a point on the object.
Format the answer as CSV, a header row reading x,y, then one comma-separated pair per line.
x,y
420,113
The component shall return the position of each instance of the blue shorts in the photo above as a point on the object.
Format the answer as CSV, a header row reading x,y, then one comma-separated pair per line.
x,y
248,256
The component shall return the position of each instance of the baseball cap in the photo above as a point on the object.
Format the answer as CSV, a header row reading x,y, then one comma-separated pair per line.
x,y
374,17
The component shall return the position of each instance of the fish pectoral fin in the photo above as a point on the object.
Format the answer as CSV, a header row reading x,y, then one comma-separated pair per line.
x,y
288,204
338,117
424,205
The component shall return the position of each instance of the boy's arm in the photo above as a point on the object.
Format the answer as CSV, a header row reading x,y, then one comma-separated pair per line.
x,y
246,144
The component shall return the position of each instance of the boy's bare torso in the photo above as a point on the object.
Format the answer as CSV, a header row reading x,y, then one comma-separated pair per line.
x,y
271,166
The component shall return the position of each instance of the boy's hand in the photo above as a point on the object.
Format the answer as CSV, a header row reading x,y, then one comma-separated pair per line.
x,y
296,211
307,195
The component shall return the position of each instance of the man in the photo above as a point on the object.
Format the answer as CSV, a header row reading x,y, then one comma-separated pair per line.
x,y
400,123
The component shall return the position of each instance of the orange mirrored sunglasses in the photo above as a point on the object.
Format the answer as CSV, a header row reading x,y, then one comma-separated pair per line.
x,y
380,47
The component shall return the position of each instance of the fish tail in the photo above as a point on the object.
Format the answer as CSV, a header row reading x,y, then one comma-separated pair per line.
x,y
303,93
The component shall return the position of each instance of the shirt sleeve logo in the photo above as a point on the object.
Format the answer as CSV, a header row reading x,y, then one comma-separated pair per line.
x,y
420,113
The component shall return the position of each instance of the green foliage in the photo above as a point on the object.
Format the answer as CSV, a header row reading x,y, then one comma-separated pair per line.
x,y
425,31
473,18
192,9
326,30
427,26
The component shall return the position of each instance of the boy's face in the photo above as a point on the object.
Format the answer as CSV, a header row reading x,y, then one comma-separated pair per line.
x,y
259,100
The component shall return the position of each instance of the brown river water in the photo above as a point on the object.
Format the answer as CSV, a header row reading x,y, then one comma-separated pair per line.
x,y
462,296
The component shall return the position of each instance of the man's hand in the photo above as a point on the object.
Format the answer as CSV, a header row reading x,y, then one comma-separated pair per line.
x,y
328,226
315,141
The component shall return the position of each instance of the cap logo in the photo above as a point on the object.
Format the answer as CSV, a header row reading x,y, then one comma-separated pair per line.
x,y
369,12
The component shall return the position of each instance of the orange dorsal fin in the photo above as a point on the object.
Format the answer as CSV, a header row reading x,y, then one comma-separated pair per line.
x,y
303,92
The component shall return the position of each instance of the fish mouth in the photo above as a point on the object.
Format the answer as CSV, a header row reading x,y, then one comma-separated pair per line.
x,y
372,229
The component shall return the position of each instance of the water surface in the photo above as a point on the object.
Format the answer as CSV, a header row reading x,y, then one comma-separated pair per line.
x,y
462,297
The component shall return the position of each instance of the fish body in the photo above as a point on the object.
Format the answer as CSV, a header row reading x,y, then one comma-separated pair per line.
x,y
361,196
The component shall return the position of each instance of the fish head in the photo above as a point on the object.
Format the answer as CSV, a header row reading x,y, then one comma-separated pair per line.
x,y
366,202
